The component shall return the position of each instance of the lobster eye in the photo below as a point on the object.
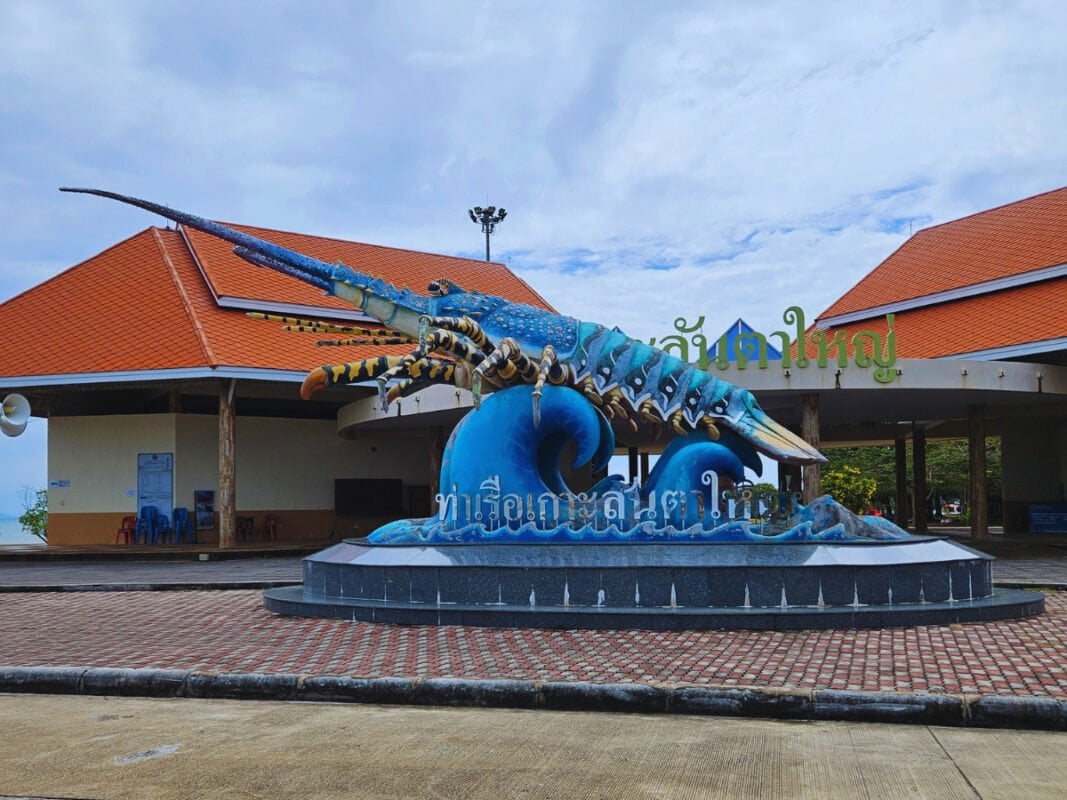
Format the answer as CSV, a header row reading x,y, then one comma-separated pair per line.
x,y
719,408
638,381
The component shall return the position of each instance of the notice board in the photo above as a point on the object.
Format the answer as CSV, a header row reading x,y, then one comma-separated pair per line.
x,y
155,482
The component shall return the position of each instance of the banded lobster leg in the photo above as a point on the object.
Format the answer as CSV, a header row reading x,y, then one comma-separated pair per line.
x,y
437,340
507,364
548,371
428,371
462,325
422,371
373,336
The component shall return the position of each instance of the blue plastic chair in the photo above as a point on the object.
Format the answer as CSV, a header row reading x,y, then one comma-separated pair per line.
x,y
183,526
162,529
146,525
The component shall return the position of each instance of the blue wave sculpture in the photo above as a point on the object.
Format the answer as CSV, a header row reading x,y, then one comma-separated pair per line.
x,y
501,482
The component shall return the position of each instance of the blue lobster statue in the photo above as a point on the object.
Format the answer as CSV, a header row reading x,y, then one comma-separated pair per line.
x,y
495,343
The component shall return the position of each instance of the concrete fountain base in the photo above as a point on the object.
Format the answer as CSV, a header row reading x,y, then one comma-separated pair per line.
x,y
683,585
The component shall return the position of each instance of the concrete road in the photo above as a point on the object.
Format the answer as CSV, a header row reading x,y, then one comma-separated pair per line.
x,y
96,747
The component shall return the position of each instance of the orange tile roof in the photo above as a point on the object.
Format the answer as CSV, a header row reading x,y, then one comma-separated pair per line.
x,y
230,276
1021,315
120,310
144,304
1003,242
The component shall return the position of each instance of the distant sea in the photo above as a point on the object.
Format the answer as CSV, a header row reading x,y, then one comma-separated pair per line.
x,y
11,533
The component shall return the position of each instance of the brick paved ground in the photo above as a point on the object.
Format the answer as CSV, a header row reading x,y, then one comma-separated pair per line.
x,y
228,631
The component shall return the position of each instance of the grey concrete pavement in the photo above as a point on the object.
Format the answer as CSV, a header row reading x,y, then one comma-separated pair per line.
x,y
70,575
93,747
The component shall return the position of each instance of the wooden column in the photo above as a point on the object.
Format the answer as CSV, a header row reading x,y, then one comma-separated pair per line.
x,y
631,452
902,483
918,479
227,467
977,465
437,454
809,431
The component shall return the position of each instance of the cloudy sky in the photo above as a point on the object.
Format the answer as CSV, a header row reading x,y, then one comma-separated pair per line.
x,y
657,159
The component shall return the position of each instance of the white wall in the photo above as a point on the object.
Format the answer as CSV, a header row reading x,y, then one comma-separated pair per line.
x,y
282,464
98,455
291,464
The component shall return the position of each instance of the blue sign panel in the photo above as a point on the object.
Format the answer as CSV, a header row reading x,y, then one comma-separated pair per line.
x,y
1048,518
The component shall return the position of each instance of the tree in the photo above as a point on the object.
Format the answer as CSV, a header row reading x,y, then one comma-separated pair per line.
x,y
947,468
35,517
848,486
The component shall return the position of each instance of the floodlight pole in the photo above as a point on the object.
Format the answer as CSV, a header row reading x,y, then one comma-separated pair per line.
x,y
489,218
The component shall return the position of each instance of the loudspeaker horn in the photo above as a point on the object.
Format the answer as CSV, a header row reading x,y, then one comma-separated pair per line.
x,y
14,414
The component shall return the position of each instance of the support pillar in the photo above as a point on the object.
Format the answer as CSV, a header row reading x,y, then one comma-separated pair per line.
x,y
227,467
789,479
631,453
918,479
437,454
644,469
901,464
976,462
809,431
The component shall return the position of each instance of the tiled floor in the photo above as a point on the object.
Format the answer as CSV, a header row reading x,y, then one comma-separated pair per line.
x,y
228,631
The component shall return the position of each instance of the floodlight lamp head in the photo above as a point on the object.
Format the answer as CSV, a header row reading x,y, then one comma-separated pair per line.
x,y
473,218
502,214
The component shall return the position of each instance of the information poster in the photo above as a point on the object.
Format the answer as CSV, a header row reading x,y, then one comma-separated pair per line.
x,y
204,500
155,482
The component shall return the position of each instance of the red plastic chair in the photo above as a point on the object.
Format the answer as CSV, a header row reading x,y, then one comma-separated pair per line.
x,y
245,528
270,527
128,530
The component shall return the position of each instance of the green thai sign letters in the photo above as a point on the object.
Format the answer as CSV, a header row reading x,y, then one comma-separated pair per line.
x,y
864,348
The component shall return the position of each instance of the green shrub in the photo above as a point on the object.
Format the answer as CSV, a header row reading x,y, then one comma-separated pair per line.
x,y
35,518
849,487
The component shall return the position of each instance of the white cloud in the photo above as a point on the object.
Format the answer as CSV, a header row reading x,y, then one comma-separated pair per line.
x,y
773,152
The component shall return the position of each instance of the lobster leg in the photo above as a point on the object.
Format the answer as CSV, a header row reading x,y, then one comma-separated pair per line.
x,y
435,341
321,377
426,371
299,325
364,340
507,364
423,371
615,400
677,423
710,427
464,325
549,370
